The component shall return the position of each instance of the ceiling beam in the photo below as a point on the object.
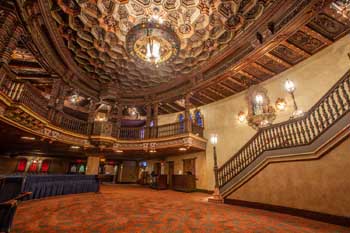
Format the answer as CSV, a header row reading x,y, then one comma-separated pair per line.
x,y
316,35
296,49
198,100
172,107
211,89
227,88
161,107
235,81
263,69
211,99
278,60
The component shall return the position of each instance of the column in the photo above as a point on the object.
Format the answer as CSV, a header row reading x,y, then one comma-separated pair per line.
x,y
118,122
53,98
188,123
11,45
6,30
155,114
93,163
148,120
91,117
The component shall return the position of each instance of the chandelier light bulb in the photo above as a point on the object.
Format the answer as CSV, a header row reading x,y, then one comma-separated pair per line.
x,y
241,117
259,99
289,86
214,139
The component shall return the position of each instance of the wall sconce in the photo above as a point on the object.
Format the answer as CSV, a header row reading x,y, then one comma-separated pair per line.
x,y
242,117
214,139
290,88
281,104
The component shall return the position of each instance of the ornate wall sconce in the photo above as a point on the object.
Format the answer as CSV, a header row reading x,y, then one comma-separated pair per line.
x,y
281,104
260,112
290,88
242,117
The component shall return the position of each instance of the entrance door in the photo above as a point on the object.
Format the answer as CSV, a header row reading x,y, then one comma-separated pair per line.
x,y
170,173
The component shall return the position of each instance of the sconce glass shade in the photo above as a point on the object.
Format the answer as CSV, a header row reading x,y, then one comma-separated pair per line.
x,y
214,139
289,86
259,99
281,104
241,117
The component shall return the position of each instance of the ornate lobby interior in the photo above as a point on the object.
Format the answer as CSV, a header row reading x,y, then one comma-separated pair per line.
x,y
174,116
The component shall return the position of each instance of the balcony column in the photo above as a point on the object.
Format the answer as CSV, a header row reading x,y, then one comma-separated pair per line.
x,y
148,120
11,46
53,98
188,123
118,123
155,120
155,114
91,117
6,31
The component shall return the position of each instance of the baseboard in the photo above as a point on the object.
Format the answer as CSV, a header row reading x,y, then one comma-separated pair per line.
x,y
323,217
204,191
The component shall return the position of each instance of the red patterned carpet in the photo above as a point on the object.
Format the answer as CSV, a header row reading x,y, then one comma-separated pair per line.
x,y
128,208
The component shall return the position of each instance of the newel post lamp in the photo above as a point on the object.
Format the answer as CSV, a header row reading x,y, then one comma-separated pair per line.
x,y
216,195
290,88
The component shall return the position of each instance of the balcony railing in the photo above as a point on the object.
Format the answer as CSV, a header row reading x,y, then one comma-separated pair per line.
x,y
298,132
29,96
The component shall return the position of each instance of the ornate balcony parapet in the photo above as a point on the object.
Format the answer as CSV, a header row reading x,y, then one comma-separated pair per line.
x,y
23,106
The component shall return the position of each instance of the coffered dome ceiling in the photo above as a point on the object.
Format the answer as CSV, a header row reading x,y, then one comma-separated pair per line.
x,y
214,48
95,33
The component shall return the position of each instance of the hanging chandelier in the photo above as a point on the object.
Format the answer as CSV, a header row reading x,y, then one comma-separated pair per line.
x,y
152,43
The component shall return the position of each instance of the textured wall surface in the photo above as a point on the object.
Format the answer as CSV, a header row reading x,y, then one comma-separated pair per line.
x,y
321,185
313,78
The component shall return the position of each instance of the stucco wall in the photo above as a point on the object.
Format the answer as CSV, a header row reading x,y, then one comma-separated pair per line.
x,y
313,78
318,185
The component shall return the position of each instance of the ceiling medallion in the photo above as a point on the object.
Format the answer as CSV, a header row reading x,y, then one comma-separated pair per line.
x,y
153,43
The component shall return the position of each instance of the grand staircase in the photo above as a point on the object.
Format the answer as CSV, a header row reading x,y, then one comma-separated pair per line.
x,y
329,118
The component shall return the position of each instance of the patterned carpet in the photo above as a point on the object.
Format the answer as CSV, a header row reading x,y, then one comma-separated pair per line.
x,y
128,208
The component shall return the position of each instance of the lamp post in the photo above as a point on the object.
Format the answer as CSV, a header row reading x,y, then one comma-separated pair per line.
x,y
290,88
216,195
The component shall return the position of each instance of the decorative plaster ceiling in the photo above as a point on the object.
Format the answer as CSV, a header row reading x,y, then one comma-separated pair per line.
x,y
95,33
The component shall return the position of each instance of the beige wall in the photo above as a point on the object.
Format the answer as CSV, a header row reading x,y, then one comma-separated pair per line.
x,y
201,167
319,185
313,78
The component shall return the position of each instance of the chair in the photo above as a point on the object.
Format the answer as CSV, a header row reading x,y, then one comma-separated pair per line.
x,y
10,195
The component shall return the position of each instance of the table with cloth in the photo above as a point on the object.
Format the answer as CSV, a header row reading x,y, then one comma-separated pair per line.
x,y
53,185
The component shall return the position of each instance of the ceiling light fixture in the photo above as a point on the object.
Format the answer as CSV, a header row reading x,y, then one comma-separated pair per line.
x,y
119,151
75,147
182,149
342,7
152,42
28,138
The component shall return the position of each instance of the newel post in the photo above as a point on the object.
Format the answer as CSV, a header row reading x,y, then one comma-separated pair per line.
x,y
216,198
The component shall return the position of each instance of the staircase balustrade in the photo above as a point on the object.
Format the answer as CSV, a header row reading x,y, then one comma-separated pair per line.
x,y
297,132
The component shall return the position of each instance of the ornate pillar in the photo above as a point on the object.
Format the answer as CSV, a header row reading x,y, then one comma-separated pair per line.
x,y
11,45
118,122
6,30
148,120
188,123
53,98
91,117
155,114
93,163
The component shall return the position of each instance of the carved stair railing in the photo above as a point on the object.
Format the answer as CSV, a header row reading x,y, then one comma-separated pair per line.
x,y
293,133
